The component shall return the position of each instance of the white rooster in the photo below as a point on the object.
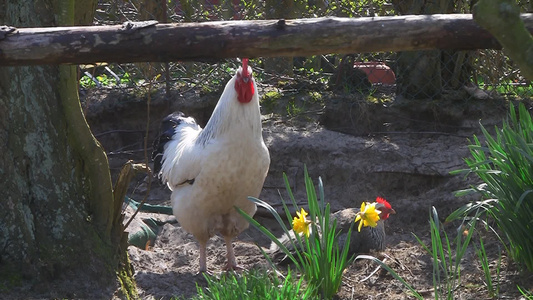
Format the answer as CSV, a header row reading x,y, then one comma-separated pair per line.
x,y
211,170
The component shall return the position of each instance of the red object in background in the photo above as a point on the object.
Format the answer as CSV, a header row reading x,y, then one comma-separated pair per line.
x,y
377,72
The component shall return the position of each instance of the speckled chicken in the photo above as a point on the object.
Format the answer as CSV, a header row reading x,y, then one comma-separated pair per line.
x,y
370,238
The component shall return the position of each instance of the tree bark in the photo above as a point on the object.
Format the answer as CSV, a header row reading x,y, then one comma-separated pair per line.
x,y
60,228
135,42
502,19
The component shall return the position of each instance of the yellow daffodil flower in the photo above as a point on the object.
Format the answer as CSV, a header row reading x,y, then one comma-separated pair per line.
x,y
300,224
367,216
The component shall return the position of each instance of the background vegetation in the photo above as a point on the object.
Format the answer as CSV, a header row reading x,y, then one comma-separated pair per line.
x,y
429,75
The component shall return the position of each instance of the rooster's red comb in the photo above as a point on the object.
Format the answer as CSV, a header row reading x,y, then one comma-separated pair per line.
x,y
244,84
245,67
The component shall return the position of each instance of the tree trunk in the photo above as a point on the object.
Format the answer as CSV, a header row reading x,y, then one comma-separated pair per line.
x,y
61,233
424,74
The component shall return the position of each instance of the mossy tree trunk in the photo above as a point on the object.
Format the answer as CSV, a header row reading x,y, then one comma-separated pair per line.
x,y
61,232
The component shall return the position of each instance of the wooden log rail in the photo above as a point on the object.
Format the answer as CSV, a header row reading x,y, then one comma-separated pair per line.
x,y
150,41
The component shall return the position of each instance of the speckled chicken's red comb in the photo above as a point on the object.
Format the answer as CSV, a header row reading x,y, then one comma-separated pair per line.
x,y
383,201
387,208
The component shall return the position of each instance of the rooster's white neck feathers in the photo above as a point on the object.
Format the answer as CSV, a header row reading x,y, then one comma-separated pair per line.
x,y
230,115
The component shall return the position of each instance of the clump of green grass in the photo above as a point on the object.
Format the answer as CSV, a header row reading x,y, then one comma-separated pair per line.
x,y
446,255
446,260
269,101
104,80
293,109
253,284
492,286
318,257
508,88
505,165
315,96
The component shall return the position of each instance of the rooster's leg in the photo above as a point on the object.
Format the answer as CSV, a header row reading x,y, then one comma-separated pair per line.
x,y
230,255
203,256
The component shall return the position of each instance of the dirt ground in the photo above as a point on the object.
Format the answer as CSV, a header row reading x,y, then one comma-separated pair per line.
x,y
403,152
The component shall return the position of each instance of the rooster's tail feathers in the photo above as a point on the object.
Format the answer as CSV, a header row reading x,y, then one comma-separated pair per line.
x,y
170,125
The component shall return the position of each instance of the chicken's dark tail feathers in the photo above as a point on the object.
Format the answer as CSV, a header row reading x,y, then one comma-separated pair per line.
x,y
166,132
